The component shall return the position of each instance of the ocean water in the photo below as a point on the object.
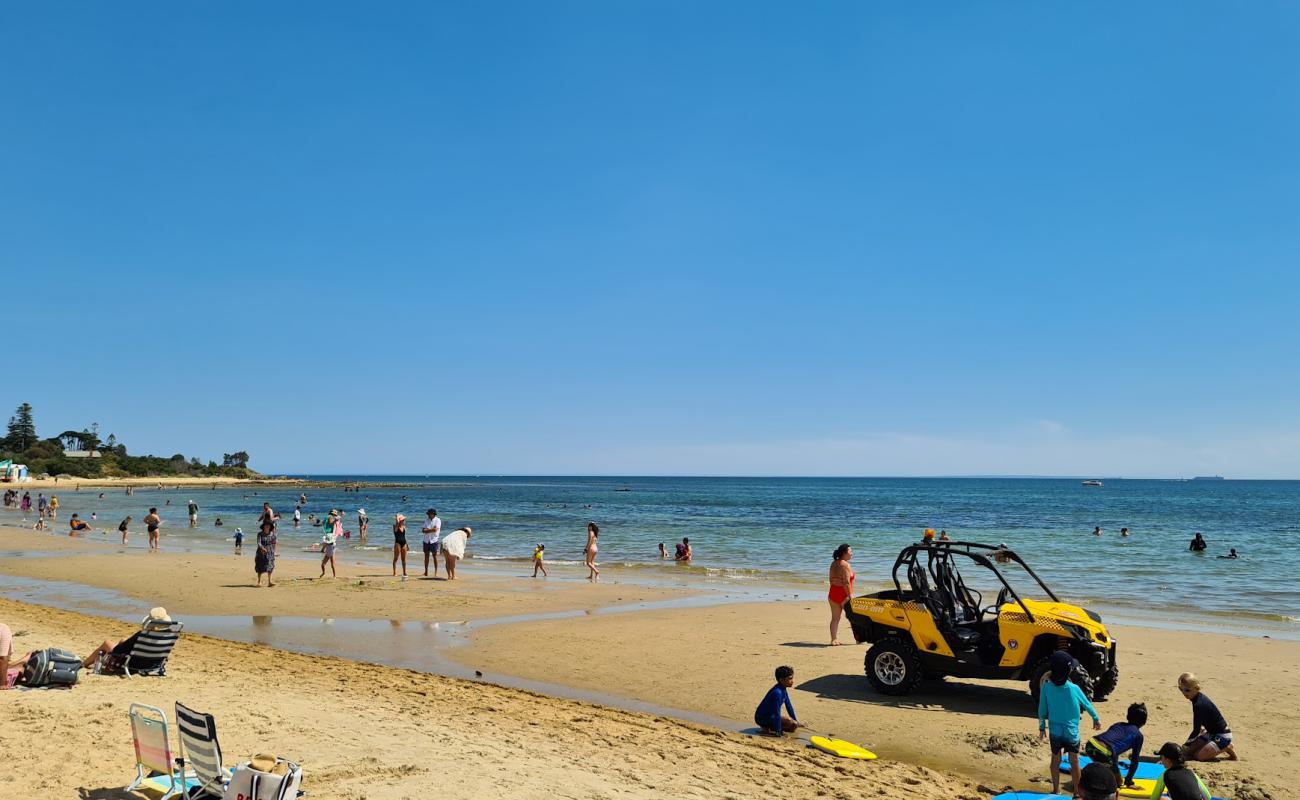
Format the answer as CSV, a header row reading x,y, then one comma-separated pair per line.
x,y
763,529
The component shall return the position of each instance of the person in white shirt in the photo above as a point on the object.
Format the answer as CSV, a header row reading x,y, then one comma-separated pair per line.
x,y
432,531
297,516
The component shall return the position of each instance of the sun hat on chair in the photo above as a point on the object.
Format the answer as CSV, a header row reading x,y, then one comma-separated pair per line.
x,y
158,614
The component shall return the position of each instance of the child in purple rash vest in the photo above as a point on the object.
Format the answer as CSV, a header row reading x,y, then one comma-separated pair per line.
x,y
1118,739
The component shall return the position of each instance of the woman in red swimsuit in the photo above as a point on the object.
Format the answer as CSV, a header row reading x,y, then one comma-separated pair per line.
x,y
842,576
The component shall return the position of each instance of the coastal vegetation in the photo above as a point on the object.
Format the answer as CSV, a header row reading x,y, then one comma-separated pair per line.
x,y
83,454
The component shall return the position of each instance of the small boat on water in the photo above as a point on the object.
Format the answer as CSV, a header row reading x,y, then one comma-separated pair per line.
x,y
1093,483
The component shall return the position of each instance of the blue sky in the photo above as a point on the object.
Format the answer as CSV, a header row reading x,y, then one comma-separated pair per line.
x,y
670,238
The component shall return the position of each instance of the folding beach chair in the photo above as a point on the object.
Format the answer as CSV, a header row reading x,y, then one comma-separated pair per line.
x,y
148,654
155,768
201,752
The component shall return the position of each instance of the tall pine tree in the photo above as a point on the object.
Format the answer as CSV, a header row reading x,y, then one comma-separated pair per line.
x,y
22,430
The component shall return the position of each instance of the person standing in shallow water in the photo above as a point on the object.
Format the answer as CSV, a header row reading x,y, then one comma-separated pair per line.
x,y
841,578
589,552
151,524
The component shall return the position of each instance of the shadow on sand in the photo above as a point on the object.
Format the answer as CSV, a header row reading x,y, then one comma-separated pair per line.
x,y
932,695
106,794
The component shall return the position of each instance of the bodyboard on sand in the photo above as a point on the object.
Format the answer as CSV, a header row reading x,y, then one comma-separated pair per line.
x,y
1146,769
841,748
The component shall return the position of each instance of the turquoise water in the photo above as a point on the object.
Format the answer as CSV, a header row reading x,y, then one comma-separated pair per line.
x,y
754,529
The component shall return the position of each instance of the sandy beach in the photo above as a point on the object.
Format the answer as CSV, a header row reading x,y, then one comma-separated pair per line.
x,y
956,739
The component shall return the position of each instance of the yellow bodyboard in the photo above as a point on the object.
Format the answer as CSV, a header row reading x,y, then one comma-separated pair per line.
x,y
843,749
1143,787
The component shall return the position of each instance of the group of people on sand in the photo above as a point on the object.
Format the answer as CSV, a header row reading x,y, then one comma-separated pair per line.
x,y
1061,703
451,546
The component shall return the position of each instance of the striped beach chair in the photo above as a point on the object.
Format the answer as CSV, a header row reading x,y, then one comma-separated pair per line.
x,y
201,752
148,653
154,766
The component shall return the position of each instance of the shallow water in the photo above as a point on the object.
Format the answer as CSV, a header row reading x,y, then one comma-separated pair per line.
x,y
760,529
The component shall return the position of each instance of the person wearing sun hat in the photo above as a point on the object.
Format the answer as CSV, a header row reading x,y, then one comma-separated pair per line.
x,y
158,617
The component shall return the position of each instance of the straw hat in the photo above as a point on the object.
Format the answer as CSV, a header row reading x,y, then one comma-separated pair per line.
x,y
159,614
265,762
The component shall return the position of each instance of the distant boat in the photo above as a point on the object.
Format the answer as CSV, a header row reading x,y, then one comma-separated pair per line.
x,y
1208,478
1093,483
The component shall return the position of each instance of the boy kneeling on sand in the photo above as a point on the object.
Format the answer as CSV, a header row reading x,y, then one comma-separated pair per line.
x,y
768,714
1061,702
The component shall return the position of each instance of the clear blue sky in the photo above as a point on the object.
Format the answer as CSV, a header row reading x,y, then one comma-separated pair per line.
x,y
685,238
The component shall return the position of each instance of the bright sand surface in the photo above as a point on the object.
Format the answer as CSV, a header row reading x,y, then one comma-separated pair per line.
x,y
382,732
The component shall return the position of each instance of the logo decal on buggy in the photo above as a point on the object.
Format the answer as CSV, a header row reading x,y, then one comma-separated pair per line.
x,y
1013,644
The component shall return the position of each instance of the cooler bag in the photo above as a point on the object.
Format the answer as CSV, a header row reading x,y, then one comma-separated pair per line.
x,y
254,784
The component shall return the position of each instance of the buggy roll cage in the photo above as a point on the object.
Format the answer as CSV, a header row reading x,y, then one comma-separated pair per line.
x,y
943,551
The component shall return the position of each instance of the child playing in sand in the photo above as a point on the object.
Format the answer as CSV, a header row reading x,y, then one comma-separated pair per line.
x,y
1061,702
1120,738
537,561
768,714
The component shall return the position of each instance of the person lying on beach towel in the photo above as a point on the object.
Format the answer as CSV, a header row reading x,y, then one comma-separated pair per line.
x,y
768,714
10,668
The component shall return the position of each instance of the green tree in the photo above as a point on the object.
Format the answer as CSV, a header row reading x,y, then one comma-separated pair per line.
x,y
22,429
239,459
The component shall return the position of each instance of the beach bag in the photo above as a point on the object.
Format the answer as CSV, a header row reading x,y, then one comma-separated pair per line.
x,y
51,667
278,782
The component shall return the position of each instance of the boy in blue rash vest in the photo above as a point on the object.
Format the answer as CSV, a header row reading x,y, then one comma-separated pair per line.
x,y
1122,737
1061,702
768,714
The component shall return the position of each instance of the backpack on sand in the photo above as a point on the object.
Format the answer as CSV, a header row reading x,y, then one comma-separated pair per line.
x,y
51,667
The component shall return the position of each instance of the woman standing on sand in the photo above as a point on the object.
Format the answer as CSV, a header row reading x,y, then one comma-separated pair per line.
x,y
399,543
589,554
453,549
842,576
264,561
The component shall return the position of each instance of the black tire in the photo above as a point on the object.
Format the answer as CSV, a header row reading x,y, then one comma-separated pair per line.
x,y
893,666
1106,684
1043,669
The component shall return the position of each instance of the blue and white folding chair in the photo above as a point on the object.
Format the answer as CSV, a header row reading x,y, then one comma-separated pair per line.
x,y
201,752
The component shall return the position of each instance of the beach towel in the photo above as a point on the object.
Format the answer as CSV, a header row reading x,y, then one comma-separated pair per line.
x,y
454,543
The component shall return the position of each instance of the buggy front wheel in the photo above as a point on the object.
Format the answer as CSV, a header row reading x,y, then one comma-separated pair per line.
x,y
893,667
